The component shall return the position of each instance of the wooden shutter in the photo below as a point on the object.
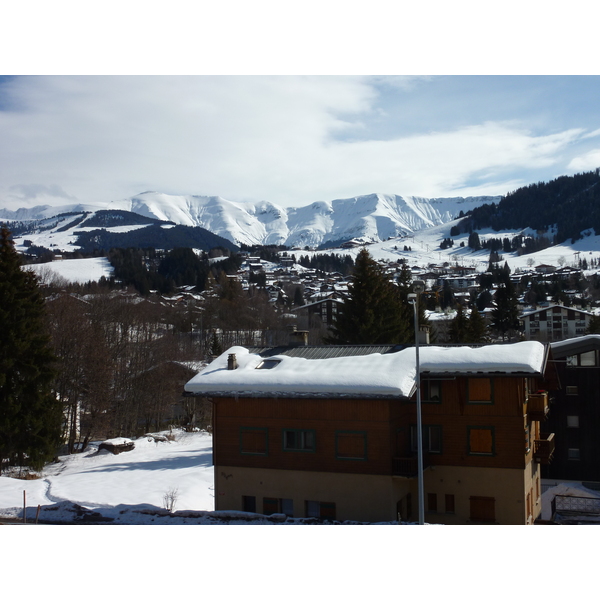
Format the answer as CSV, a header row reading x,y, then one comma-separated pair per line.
x,y
351,445
270,506
481,441
482,508
253,441
327,510
480,390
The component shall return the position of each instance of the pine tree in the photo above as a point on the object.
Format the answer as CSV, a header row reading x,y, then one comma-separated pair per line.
x,y
505,317
476,328
374,312
30,414
457,331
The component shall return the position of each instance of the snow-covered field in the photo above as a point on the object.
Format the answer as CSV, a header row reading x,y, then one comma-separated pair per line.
x,y
77,270
118,486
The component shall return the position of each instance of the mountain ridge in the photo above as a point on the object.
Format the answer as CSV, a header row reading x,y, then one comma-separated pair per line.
x,y
373,217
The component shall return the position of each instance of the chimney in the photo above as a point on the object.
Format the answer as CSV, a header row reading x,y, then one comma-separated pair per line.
x,y
231,362
298,337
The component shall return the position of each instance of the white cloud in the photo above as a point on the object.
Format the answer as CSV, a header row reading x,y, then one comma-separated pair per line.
x,y
586,162
273,138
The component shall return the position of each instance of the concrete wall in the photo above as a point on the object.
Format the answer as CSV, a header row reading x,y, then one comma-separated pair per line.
x,y
373,498
368,498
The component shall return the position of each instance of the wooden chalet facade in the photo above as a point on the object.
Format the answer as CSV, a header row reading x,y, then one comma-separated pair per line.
x,y
292,444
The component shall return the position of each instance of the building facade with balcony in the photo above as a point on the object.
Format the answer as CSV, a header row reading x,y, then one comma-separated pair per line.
x,y
575,414
555,323
330,432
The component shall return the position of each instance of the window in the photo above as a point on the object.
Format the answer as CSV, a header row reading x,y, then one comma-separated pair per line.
x,y
588,359
268,364
450,503
320,510
481,440
432,502
572,390
432,438
278,505
299,440
585,359
480,391
527,439
573,454
254,440
249,504
351,445
482,508
572,420
432,391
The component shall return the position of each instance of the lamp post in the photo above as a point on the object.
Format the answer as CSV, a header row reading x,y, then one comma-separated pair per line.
x,y
414,300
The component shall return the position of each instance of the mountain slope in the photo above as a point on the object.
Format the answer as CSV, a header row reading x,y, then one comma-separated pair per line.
x,y
375,216
571,204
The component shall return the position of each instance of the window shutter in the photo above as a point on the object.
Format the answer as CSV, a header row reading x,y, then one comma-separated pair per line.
x,y
481,441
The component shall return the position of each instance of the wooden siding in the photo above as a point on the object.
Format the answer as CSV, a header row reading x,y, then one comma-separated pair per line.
x,y
386,424
323,416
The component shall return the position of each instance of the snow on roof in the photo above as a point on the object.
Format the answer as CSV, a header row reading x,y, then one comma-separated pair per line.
x,y
367,375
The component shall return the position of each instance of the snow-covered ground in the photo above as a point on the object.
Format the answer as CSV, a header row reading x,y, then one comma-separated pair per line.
x,y
77,270
118,486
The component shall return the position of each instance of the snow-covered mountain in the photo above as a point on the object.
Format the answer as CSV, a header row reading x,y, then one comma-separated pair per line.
x,y
374,217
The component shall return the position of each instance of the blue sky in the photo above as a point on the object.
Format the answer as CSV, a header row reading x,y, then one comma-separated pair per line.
x,y
290,140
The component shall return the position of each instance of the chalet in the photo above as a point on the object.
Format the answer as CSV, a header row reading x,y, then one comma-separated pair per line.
x,y
555,323
330,431
545,269
575,415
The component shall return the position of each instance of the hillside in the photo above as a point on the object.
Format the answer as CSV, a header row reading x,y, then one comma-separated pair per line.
x,y
571,204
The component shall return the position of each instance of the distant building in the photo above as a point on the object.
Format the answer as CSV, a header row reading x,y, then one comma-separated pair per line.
x,y
325,310
555,323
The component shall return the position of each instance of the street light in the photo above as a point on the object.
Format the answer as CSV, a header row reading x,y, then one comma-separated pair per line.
x,y
414,300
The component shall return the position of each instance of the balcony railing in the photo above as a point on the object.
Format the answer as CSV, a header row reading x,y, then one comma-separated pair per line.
x,y
543,449
537,406
575,505
407,466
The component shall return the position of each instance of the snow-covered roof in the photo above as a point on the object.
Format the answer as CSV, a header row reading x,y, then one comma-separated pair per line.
x,y
369,375
577,345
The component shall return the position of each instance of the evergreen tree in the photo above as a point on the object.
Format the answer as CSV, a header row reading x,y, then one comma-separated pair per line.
x,y
457,332
30,414
476,328
505,316
373,313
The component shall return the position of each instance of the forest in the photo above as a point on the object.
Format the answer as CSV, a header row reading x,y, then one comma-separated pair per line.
x,y
571,203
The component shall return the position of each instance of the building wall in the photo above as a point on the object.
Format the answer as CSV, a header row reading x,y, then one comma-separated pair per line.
x,y
376,498
367,489
575,418
555,323
368,498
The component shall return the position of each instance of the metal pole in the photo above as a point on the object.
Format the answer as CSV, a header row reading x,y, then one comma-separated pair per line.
x,y
421,493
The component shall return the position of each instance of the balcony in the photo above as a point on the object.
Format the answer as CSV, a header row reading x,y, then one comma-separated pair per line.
x,y
537,406
407,466
543,449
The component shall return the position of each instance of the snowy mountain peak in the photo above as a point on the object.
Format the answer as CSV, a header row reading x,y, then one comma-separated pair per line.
x,y
374,216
